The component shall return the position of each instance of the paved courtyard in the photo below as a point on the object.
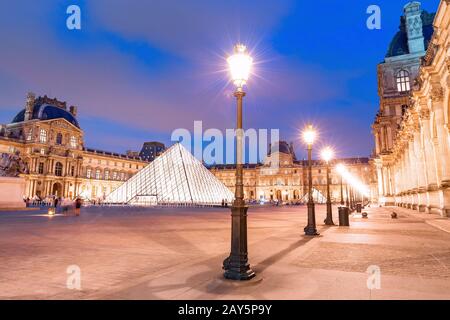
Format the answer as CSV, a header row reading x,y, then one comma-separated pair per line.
x,y
177,253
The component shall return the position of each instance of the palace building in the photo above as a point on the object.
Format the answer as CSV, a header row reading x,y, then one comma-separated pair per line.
x,y
411,129
281,177
48,138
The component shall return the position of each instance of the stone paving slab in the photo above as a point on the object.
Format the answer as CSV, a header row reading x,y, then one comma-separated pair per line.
x,y
177,253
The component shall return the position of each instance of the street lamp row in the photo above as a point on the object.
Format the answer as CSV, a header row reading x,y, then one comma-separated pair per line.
x,y
236,265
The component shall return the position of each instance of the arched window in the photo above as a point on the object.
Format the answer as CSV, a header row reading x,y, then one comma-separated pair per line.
x,y
402,80
58,169
43,136
106,174
59,138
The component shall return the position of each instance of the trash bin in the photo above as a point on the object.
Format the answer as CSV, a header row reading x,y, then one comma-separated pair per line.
x,y
343,216
358,207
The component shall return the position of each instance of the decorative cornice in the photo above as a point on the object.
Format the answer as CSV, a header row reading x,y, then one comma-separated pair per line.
x,y
437,92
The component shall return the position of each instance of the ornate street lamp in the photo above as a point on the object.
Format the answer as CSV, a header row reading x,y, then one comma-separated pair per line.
x,y
327,154
236,266
340,169
309,135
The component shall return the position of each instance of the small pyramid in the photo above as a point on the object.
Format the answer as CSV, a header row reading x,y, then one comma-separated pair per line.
x,y
175,177
317,196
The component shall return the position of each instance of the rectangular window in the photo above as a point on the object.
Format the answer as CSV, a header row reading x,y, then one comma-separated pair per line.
x,y
88,173
30,135
73,142
41,168
43,136
72,171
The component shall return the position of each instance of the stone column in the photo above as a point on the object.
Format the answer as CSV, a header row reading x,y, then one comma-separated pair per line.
x,y
442,142
428,152
380,181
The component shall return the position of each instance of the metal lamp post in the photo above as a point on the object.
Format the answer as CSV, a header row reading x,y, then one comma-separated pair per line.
x,y
347,203
340,169
327,155
309,135
236,266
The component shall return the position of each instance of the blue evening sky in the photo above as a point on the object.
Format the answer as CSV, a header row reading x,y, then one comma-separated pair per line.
x,y
137,70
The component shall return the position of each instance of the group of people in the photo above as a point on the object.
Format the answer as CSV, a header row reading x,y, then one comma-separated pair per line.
x,y
66,205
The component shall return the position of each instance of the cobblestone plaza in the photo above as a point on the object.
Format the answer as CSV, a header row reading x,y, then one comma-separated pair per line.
x,y
176,253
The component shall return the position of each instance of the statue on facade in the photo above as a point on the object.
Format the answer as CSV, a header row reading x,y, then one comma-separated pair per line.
x,y
11,165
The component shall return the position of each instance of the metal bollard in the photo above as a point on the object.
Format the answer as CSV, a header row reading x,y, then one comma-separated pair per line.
x,y
358,207
343,216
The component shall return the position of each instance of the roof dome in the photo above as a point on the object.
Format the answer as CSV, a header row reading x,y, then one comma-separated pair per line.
x,y
283,147
47,112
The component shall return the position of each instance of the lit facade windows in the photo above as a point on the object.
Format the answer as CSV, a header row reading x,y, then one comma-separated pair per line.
x,y
88,173
106,174
30,135
43,136
114,175
97,174
41,168
403,82
58,169
73,142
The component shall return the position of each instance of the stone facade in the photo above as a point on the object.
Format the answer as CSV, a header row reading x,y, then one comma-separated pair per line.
x,y
286,180
51,144
414,170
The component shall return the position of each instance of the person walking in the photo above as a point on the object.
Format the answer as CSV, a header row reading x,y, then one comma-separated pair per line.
x,y
77,206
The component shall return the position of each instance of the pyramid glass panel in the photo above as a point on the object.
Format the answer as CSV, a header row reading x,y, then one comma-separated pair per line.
x,y
318,197
175,177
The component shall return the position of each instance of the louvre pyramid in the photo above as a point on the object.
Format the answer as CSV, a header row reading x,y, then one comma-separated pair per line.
x,y
318,197
175,177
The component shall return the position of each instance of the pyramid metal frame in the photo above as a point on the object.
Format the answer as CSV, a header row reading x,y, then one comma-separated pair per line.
x,y
175,177
318,197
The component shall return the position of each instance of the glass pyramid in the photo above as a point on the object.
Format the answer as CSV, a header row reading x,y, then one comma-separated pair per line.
x,y
318,197
175,177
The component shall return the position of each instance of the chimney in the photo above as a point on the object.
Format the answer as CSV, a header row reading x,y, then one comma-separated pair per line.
x,y
414,28
29,106
73,110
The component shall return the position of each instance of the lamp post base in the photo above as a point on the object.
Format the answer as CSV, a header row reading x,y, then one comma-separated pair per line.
x,y
236,266
310,229
329,220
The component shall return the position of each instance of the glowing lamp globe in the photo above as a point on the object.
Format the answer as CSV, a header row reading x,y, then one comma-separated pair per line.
x,y
327,154
309,135
240,64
